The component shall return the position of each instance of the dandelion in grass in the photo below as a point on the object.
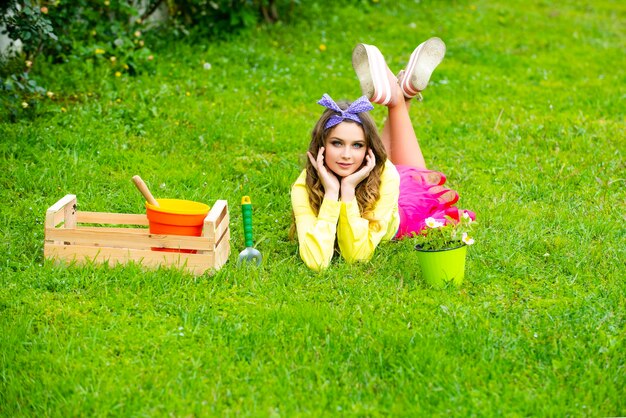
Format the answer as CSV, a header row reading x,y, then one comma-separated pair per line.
x,y
118,74
99,51
467,239
50,94
322,47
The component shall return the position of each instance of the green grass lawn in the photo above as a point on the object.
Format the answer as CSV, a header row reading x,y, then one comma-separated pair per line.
x,y
525,116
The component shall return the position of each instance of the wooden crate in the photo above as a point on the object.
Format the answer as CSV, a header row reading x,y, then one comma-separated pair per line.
x,y
77,236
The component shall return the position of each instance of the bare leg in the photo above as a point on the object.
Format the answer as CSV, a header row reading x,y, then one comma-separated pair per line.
x,y
402,147
399,137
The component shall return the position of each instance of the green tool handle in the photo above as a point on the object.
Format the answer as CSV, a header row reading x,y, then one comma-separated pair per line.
x,y
246,211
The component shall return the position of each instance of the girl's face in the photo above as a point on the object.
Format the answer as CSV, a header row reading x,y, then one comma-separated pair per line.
x,y
345,148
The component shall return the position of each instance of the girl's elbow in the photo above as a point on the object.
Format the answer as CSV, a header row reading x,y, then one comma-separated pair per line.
x,y
317,266
360,254
315,263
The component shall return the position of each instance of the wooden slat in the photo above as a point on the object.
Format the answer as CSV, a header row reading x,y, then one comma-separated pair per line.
x,y
216,225
219,245
216,220
122,239
217,212
62,203
114,229
111,218
57,212
55,218
70,214
195,263
225,236
222,251
222,227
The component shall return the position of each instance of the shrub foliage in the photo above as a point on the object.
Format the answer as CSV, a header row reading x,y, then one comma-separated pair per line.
x,y
108,31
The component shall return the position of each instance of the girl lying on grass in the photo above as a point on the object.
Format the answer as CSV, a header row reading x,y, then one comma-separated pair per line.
x,y
359,189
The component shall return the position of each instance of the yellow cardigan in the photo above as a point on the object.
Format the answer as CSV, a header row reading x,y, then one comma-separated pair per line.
x,y
357,238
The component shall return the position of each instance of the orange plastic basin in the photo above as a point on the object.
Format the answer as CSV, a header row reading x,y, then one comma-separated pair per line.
x,y
176,217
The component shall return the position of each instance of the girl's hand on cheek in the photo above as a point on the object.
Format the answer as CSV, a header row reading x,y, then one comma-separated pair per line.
x,y
328,178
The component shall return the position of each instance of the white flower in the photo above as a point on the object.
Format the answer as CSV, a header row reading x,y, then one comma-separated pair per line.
x,y
467,217
433,223
466,239
207,66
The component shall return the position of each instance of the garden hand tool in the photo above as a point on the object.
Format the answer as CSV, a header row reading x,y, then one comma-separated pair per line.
x,y
250,253
145,191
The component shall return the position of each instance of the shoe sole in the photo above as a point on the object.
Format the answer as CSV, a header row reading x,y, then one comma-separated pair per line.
x,y
371,70
422,63
445,197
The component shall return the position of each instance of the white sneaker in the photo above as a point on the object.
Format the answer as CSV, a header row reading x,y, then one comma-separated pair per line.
x,y
424,59
371,70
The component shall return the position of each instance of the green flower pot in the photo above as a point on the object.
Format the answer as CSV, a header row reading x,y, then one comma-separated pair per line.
x,y
443,266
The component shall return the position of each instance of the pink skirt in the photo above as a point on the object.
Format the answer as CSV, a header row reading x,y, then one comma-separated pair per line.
x,y
422,195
